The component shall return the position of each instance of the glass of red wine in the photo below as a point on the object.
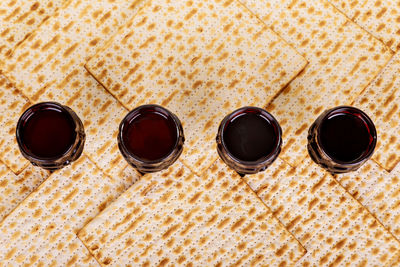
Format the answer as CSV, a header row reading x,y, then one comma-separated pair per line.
x,y
342,139
150,138
249,140
50,135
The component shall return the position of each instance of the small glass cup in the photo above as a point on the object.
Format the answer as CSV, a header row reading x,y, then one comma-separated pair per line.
x,y
150,138
242,166
324,156
61,121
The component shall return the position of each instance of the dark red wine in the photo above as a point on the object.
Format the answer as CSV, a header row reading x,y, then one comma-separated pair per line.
x,y
48,132
150,135
249,140
250,137
150,138
344,137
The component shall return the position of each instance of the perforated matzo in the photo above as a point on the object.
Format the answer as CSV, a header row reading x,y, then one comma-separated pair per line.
x,y
343,60
333,227
176,217
200,59
41,230
379,17
49,66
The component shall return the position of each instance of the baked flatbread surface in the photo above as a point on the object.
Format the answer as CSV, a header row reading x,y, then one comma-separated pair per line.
x,y
378,191
380,18
177,217
12,104
18,18
201,60
343,60
42,228
334,228
48,65
329,79
380,101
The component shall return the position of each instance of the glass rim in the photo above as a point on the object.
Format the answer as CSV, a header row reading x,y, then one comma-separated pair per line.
x,y
25,116
368,123
131,114
268,117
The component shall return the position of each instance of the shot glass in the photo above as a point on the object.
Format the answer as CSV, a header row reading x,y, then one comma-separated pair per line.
x,y
249,140
50,135
150,138
342,139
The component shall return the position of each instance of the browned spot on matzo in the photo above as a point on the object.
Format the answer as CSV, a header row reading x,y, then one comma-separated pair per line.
x,y
208,233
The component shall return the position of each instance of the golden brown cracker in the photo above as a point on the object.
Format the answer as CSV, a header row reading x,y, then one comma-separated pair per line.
x,y
381,100
201,60
41,230
379,17
49,66
343,60
332,225
176,217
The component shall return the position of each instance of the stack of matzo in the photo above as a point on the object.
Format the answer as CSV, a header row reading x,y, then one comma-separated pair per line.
x,y
373,185
15,188
48,79
41,230
18,18
377,190
177,217
381,99
343,60
201,59
88,190
49,66
333,227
